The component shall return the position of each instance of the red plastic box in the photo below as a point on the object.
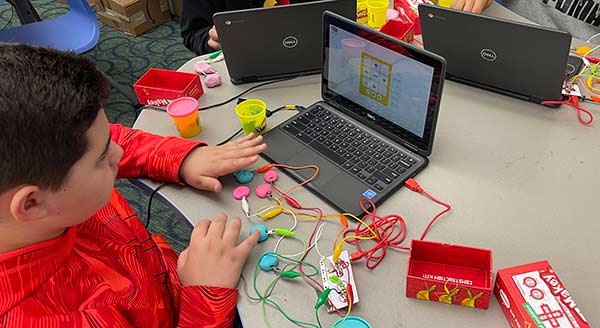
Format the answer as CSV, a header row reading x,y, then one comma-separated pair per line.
x,y
402,28
531,295
450,274
158,87
409,7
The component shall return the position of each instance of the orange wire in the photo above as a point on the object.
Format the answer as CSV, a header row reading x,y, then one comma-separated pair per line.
x,y
316,168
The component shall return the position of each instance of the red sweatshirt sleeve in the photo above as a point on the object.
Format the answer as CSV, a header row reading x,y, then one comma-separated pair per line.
x,y
207,307
146,155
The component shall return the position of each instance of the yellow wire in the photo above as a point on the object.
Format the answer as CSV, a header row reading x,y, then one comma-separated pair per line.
x,y
363,223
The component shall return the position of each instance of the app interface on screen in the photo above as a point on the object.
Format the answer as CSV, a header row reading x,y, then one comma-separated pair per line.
x,y
389,84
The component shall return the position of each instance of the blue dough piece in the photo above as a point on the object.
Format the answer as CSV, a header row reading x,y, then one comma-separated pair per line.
x,y
243,176
268,262
263,231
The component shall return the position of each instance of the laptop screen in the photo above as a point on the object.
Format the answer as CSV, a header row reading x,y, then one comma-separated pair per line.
x,y
392,85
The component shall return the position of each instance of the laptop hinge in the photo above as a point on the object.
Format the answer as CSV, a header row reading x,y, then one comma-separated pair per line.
x,y
411,147
487,87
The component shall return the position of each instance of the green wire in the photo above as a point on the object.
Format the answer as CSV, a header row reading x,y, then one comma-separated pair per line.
x,y
317,316
264,298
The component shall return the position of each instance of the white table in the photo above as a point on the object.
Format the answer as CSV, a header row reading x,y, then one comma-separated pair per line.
x,y
523,181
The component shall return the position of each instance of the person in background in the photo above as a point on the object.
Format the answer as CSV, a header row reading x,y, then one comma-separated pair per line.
x,y
580,18
73,253
197,28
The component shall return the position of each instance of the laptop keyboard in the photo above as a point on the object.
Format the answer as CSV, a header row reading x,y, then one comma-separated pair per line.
x,y
356,150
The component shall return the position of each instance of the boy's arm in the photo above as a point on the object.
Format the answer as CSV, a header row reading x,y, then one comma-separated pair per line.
x,y
146,155
208,307
214,258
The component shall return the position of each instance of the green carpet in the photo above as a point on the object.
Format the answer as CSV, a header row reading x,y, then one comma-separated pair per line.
x,y
125,58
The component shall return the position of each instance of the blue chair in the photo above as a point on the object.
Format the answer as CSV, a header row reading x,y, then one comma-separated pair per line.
x,y
78,30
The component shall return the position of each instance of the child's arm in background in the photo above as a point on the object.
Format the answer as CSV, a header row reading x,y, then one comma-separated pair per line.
x,y
209,270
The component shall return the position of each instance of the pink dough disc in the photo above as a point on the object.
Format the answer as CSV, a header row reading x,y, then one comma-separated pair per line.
x,y
241,192
263,190
271,176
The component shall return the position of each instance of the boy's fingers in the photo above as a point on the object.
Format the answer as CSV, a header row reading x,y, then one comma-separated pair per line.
x,y
469,5
200,230
206,183
213,33
217,226
479,6
246,151
458,4
252,141
235,164
233,231
244,138
247,245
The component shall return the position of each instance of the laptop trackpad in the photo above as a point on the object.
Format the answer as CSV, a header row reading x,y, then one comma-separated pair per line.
x,y
327,170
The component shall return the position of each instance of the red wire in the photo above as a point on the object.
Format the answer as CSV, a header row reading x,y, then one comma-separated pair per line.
x,y
437,216
573,102
391,229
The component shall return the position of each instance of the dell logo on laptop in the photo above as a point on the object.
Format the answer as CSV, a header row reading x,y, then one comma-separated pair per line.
x,y
290,42
488,54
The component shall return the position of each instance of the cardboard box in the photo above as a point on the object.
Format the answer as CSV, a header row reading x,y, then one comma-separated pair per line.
x,y
450,274
531,295
133,17
157,87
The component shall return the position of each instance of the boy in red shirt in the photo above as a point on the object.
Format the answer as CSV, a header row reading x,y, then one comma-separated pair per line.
x,y
72,251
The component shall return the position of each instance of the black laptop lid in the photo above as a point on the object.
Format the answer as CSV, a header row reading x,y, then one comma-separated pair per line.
x,y
521,60
389,85
273,42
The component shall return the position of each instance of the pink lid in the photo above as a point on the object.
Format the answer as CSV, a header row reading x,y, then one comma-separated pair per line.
x,y
183,106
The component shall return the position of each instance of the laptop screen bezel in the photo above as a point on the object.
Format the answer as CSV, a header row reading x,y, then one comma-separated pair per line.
x,y
422,145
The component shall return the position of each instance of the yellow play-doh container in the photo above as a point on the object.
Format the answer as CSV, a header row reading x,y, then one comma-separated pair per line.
x,y
377,11
253,116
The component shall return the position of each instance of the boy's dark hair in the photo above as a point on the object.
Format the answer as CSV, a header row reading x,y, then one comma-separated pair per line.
x,y
48,101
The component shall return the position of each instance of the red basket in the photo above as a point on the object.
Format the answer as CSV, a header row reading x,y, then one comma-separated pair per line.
x,y
450,274
158,87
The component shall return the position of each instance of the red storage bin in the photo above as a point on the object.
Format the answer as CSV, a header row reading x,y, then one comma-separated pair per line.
x,y
158,87
450,274
403,27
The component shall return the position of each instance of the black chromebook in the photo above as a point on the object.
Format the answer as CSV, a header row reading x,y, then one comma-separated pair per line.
x,y
375,126
516,59
274,42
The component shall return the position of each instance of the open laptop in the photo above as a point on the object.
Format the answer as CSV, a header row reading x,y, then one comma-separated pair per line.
x,y
275,42
375,126
512,58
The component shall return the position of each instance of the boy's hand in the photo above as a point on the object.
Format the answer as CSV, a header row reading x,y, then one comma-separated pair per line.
x,y
213,258
474,6
203,165
213,40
